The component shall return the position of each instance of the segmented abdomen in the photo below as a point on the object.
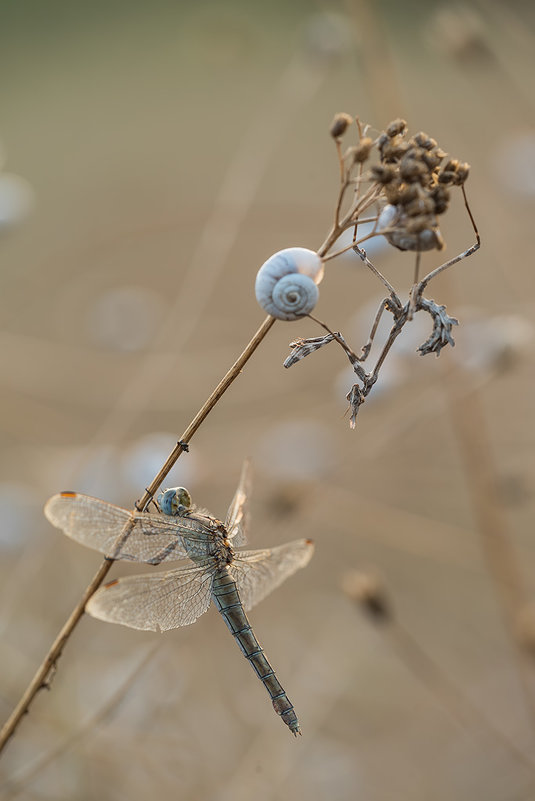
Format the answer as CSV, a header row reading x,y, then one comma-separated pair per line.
x,y
226,598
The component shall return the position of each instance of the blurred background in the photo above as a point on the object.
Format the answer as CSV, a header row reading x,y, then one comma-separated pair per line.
x,y
153,156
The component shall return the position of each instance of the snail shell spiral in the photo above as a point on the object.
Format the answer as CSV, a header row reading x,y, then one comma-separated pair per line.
x,y
286,284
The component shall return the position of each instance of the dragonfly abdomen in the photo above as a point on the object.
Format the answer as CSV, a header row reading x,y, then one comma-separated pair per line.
x,y
227,600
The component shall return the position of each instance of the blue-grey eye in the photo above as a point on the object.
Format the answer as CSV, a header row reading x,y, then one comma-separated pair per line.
x,y
174,501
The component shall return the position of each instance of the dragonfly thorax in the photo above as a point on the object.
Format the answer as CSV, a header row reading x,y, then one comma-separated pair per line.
x,y
222,551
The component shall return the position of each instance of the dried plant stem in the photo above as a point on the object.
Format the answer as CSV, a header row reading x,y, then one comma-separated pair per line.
x,y
456,703
201,415
16,786
48,664
419,289
468,421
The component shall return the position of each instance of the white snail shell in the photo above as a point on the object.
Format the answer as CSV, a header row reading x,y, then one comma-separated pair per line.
x,y
286,284
428,239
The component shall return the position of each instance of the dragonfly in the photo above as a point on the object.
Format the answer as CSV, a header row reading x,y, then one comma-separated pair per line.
x,y
234,580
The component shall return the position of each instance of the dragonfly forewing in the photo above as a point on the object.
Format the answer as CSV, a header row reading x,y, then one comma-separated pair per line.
x,y
148,538
155,602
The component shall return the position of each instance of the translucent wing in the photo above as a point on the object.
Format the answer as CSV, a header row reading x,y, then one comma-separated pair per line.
x,y
155,602
237,518
257,573
152,539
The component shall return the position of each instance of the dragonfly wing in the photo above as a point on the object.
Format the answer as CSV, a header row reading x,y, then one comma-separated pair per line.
x,y
147,537
155,602
237,517
257,573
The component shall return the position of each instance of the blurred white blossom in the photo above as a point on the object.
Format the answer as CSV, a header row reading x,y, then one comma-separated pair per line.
x,y
16,199
297,449
142,460
125,318
514,160
19,514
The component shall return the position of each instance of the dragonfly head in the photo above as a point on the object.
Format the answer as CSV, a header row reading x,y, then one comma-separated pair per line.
x,y
175,501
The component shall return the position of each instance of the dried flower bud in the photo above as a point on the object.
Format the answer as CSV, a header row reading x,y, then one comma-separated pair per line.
x,y
463,171
396,127
446,177
409,193
432,158
417,224
340,124
382,141
367,591
421,139
411,169
452,165
383,173
441,197
394,149
422,205
392,193
363,149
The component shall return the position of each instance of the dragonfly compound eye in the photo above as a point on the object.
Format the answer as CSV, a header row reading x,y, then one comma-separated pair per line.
x,y
174,501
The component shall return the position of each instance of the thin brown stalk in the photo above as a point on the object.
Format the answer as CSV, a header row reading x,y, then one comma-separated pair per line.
x,y
368,592
41,678
451,697
468,419
14,787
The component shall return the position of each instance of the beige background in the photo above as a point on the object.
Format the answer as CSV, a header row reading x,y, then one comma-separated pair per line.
x,y
171,148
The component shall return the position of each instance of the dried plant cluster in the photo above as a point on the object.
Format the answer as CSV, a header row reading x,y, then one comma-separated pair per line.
x,y
406,183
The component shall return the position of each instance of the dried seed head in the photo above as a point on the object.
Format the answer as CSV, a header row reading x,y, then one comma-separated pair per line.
x,y
421,205
340,124
432,158
367,591
409,178
441,197
417,224
421,139
452,165
396,127
412,169
463,171
382,141
394,149
363,149
410,193
383,173
446,177
392,193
